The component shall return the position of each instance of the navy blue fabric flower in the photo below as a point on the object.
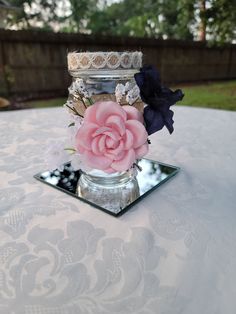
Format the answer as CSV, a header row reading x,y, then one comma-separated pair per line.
x,y
158,98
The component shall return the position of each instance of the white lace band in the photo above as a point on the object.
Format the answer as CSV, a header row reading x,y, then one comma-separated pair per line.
x,y
104,60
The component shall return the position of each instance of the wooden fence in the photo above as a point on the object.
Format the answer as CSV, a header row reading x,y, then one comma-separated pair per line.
x,y
33,63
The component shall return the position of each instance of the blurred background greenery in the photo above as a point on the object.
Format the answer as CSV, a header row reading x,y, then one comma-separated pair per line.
x,y
214,20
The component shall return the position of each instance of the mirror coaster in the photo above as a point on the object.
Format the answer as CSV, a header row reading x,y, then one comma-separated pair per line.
x,y
114,200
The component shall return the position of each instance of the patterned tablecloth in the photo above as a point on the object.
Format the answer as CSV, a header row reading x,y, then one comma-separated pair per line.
x,y
174,252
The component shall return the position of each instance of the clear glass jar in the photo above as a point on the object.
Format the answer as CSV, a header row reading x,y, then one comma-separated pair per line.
x,y
110,191
101,72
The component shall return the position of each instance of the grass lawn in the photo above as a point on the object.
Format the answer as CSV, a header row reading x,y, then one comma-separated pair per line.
x,y
55,102
220,95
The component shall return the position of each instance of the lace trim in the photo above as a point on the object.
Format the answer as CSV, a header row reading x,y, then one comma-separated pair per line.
x,y
104,60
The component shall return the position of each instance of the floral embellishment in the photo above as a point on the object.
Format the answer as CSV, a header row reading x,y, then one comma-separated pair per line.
x,y
111,137
55,156
119,92
133,95
158,98
78,87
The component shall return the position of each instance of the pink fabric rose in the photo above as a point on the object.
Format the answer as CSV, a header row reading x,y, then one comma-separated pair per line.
x,y
111,137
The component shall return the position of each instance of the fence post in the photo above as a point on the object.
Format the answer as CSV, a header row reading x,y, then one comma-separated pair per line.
x,y
4,85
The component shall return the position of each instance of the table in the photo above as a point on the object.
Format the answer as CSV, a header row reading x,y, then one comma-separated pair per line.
x,y
174,252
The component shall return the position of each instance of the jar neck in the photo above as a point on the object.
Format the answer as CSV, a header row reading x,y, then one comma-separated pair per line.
x,y
120,74
105,179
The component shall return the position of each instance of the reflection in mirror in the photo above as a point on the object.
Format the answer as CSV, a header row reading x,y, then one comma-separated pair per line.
x,y
153,174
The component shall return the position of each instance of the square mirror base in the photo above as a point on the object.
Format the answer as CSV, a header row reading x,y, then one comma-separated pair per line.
x,y
152,176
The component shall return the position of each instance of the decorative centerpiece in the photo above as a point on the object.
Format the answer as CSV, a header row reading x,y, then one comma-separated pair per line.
x,y
114,104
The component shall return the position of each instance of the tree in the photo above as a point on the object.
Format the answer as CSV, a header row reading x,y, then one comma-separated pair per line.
x,y
221,20
80,14
213,20
120,19
178,19
38,14
202,24
150,18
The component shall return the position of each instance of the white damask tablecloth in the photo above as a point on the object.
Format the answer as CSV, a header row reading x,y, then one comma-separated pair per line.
x,y
174,252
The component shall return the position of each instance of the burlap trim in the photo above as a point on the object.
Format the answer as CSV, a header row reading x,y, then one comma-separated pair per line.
x,y
80,106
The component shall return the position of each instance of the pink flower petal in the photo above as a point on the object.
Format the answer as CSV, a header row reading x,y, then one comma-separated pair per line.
x,y
116,123
128,139
120,155
110,143
84,134
110,156
94,161
142,150
109,170
80,148
117,150
90,114
101,130
138,131
133,113
98,144
124,163
115,157
112,134
101,143
95,147
106,109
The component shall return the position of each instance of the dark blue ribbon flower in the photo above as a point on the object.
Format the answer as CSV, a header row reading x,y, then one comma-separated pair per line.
x,y
158,98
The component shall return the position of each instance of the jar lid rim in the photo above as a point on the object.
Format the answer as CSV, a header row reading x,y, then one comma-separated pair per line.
x,y
104,60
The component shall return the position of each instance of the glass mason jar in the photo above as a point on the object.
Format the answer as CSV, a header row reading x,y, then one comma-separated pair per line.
x,y
101,72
